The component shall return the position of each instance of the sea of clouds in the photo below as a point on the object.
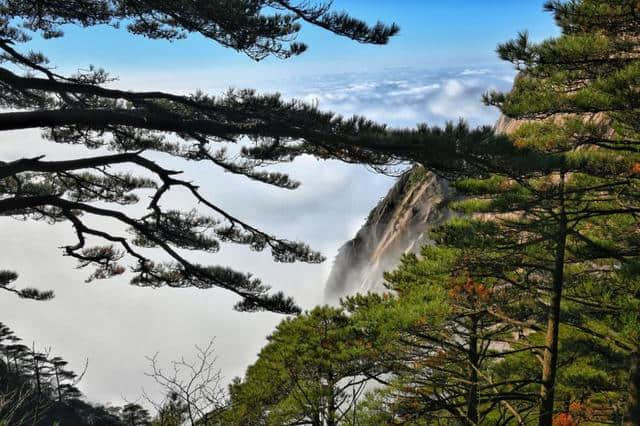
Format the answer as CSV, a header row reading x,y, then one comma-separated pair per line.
x,y
116,325
403,97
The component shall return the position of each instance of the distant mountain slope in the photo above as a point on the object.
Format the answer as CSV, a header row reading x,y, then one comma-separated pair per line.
x,y
398,224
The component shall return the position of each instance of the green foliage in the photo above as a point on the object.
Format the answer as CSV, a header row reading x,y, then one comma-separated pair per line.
x,y
572,230
440,333
418,174
135,415
172,413
314,367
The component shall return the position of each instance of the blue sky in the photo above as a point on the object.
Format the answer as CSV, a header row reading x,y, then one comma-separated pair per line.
x,y
433,34
435,70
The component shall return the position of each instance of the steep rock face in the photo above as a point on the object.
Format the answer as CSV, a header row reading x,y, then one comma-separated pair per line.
x,y
400,223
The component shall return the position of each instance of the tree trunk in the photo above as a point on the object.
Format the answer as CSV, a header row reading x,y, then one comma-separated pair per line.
x,y
36,416
632,417
331,406
355,407
472,399
36,369
550,360
58,384
192,419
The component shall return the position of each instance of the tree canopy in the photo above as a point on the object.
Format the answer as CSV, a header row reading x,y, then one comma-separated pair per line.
x,y
312,371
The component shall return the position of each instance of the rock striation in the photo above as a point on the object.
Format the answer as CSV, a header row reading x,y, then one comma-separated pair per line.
x,y
399,224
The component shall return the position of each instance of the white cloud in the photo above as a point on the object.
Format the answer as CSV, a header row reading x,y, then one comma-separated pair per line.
x,y
414,91
404,97
453,88
469,71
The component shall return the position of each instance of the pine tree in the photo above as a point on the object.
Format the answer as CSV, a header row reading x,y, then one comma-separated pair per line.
x,y
545,227
173,412
557,200
441,333
7,339
135,415
81,110
312,371
588,75
38,389
65,380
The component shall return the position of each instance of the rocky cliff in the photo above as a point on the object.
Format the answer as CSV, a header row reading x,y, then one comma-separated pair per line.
x,y
400,223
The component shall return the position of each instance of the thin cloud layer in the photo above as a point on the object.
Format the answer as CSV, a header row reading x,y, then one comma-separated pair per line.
x,y
404,97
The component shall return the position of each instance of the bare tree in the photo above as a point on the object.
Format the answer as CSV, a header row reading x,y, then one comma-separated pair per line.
x,y
195,383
